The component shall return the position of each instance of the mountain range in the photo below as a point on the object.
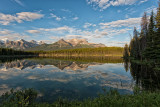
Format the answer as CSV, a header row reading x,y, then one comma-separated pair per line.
x,y
35,46
19,44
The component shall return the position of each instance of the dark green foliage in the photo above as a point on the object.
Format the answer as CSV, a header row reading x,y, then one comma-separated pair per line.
x,y
7,51
156,43
150,48
21,98
135,45
108,99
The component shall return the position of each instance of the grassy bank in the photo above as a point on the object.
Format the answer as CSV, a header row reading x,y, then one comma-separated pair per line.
x,y
27,98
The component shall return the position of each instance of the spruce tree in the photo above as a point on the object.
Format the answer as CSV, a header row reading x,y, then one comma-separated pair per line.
x,y
157,37
149,51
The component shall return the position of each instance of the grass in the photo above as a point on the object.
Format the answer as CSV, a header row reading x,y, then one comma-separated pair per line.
x,y
27,98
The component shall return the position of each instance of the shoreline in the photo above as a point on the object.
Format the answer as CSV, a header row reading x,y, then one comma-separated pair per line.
x,y
18,56
46,55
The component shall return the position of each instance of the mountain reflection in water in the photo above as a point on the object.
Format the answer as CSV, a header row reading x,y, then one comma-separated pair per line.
x,y
70,78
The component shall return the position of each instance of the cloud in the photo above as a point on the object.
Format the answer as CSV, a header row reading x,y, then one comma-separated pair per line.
x,y
65,10
33,31
143,1
150,9
117,43
11,35
6,19
61,29
130,22
86,25
102,33
19,2
104,4
73,36
109,33
56,17
5,32
75,18
14,36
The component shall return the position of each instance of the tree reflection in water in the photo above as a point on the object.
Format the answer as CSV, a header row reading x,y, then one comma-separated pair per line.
x,y
146,78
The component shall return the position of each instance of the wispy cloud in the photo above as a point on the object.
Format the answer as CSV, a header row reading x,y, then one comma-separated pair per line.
x,y
6,19
11,35
75,18
117,43
61,29
56,17
19,2
130,22
100,32
143,1
65,10
104,4
5,32
150,9
74,36
33,31
86,25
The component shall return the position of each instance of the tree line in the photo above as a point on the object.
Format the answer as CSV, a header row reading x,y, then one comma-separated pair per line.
x,y
85,52
8,51
102,51
145,45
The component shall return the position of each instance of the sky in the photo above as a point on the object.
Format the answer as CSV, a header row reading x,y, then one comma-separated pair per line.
x,y
110,22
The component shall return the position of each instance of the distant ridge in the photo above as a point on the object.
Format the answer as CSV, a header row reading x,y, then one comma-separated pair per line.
x,y
36,46
19,44
66,44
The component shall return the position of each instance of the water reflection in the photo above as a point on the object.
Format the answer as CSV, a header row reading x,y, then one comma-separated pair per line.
x,y
65,77
146,77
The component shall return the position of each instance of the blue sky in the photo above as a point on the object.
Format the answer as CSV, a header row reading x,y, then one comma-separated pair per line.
x,y
100,21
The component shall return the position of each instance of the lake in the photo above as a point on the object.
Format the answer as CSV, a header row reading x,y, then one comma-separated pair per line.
x,y
72,78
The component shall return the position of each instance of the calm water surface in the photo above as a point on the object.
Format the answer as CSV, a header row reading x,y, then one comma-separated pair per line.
x,y
66,78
